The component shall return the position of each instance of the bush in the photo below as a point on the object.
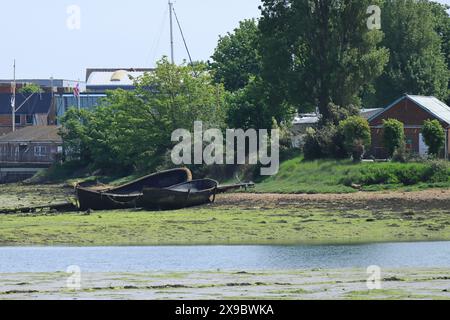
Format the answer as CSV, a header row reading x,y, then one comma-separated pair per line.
x,y
356,136
326,142
393,136
398,173
434,136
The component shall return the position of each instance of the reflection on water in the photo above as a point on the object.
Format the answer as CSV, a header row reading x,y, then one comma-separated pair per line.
x,y
202,258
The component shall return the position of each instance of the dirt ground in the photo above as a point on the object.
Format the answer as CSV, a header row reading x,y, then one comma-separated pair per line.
x,y
343,284
396,201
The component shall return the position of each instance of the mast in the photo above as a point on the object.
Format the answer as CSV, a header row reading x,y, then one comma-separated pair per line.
x,y
13,102
171,33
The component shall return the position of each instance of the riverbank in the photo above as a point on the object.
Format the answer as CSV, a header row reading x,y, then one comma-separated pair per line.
x,y
315,284
234,219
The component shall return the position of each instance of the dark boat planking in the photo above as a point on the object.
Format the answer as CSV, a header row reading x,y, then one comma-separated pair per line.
x,y
129,195
185,195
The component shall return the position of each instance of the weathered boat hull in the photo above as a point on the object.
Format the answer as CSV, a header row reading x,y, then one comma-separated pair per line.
x,y
129,195
185,195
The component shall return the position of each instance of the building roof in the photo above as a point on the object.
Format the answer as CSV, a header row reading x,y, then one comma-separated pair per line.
x,y
33,134
432,105
116,77
368,113
305,119
32,104
47,83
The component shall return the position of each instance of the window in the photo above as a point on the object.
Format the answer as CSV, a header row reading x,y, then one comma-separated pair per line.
x,y
17,119
29,119
40,151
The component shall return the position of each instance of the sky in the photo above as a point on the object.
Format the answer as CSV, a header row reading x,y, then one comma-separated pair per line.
x,y
48,40
133,33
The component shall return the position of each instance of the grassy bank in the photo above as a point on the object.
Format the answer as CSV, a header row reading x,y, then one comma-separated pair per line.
x,y
332,176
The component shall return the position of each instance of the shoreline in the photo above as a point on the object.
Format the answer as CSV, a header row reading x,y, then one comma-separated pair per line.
x,y
317,284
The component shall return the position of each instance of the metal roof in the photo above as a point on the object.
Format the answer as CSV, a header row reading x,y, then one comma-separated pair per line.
x,y
38,103
33,134
114,77
430,104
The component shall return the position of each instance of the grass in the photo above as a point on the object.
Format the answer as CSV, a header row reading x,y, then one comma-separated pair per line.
x,y
338,176
221,226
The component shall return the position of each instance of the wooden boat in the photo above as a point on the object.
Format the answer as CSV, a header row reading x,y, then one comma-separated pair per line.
x,y
128,195
185,195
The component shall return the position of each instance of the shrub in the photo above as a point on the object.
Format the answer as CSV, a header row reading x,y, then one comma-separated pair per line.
x,y
393,136
434,136
398,173
326,142
356,134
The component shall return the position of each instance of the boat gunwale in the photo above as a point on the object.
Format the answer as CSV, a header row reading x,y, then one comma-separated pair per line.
x,y
106,191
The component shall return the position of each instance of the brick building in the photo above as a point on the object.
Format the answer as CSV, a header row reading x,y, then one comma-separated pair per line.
x,y
33,110
412,111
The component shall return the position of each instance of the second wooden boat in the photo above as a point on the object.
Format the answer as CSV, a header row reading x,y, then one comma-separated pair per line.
x,y
128,195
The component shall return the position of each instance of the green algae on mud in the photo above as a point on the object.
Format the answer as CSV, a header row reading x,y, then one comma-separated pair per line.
x,y
232,220
221,226
346,284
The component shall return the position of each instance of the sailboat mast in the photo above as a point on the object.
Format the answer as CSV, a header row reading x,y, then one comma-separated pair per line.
x,y
171,32
13,102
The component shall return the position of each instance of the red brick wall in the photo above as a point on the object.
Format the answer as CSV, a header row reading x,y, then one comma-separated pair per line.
x,y
411,115
406,112
6,123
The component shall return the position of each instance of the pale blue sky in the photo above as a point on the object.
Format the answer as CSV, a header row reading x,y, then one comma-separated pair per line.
x,y
112,34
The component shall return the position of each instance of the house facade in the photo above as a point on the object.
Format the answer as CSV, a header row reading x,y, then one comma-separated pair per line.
x,y
31,145
33,110
412,111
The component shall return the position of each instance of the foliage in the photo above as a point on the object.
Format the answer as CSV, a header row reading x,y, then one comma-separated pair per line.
x,y
434,136
317,52
417,64
393,135
30,88
357,137
236,59
399,173
337,176
132,130
75,133
325,142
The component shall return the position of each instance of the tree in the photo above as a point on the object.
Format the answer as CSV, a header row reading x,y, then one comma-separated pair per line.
x,y
75,135
393,135
356,133
317,52
434,136
131,130
417,63
248,107
30,88
236,58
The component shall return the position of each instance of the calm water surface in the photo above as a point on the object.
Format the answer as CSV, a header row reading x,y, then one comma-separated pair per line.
x,y
203,258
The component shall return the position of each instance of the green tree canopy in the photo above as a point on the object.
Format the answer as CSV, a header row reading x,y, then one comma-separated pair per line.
x,y
30,88
317,52
417,63
236,58
434,136
393,135
356,133
132,129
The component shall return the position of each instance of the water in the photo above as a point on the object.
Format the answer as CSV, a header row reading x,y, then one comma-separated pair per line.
x,y
204,258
